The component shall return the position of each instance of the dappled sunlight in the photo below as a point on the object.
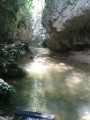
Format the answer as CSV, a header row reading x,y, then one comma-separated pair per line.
x,y
78,82
63,67
46,68
54,64
54,86
37,67
84,112
42,66
74,81
37,97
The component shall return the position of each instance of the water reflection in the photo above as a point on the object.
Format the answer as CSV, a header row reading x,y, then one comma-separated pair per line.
x,y
55,86
64,87
38,68
37,97
84,112
37,101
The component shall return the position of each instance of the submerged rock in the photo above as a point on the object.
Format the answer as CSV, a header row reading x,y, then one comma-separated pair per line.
x,y
67,22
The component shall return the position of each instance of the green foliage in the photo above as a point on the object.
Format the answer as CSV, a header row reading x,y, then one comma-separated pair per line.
x,y
10,52
10,7
8,19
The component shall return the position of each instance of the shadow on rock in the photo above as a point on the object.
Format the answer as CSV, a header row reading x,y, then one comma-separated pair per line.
x,y
11,70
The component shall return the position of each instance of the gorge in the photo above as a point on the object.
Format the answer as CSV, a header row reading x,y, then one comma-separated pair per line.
x,y
56,79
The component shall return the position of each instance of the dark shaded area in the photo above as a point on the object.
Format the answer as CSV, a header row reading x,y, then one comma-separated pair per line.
x,y
11,70
44,44
81,47
23,115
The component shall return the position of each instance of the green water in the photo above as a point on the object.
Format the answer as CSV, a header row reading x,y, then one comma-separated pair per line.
x,y
53,85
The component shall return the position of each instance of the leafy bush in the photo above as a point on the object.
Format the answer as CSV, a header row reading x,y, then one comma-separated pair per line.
x,y
11,51
10,7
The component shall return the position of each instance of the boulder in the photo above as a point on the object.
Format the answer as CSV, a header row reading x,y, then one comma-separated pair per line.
x,y
11,70
5,90
67,22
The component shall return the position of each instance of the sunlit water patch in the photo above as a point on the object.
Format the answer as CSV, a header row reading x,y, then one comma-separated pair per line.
x,y
37,97
55,86
37,94
84,112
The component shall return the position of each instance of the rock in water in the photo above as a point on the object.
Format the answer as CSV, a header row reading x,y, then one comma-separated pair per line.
x,y
11,70
5,90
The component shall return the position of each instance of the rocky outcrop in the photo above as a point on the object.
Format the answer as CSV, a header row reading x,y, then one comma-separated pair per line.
x,y
20,29
17,27
67,22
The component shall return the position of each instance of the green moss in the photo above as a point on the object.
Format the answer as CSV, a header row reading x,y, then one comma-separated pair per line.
x,y
10,7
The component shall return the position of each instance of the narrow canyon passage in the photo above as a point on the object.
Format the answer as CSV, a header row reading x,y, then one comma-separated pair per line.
x,y
52,84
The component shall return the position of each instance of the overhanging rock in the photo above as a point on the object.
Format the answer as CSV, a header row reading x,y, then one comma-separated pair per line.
x,y
67,22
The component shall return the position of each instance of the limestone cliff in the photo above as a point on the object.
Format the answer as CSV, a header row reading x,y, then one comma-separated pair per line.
x,y
15,25
67,22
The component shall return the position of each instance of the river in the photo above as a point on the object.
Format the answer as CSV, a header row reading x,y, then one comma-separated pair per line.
x,y
53,85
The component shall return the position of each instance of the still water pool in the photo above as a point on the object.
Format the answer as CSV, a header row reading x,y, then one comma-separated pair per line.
x,y
52,85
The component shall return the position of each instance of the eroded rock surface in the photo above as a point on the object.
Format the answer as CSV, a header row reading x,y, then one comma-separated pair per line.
x,y
67,22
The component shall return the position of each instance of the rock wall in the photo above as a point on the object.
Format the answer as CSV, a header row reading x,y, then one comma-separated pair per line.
x,y
16,28
67,22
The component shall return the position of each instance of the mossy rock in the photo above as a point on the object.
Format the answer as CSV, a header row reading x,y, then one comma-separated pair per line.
x,y
11,70
5,91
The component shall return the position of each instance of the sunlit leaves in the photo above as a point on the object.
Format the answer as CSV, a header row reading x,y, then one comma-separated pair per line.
x,y
10,52
11,7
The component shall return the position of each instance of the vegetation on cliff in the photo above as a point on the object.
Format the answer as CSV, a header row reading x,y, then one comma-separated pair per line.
x,y
13,15
14,25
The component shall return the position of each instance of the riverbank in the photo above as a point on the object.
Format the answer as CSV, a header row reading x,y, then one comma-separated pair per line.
x,y
80,56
